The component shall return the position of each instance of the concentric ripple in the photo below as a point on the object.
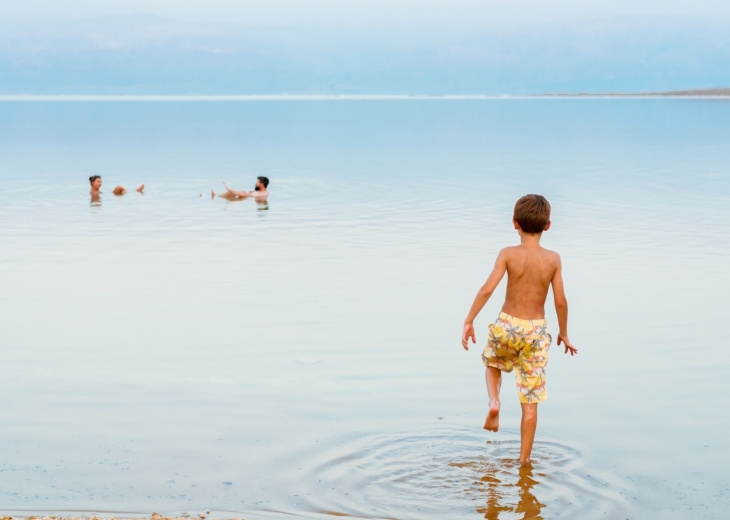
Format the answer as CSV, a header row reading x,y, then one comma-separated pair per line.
x,y
454,472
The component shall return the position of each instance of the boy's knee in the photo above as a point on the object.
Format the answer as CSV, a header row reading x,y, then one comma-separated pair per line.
x,y
529,410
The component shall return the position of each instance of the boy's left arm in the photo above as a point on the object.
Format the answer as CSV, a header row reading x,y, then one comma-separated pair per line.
x,y
561,308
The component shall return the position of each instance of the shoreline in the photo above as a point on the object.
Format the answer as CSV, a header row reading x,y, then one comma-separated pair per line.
x,y
714,93
710,92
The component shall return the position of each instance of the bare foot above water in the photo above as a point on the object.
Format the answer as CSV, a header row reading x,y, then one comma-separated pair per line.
x,y
492,422
140,188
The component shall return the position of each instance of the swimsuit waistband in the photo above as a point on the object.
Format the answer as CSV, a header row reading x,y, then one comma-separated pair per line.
x,y
522,323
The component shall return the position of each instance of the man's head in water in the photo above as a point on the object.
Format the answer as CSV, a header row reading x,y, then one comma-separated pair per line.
x,y
95,181
261,183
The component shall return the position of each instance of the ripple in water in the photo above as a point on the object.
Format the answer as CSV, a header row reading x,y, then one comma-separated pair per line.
x,y
453,472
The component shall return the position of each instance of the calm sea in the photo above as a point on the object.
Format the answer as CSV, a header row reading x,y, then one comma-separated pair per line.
x,y
301,359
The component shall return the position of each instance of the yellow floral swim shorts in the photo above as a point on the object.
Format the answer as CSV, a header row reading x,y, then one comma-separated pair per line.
x,y
521,344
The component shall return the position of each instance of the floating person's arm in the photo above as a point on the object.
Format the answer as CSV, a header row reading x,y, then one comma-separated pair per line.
x,y
561,309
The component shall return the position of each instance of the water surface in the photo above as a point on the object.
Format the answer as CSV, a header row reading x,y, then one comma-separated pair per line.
x,y
173,353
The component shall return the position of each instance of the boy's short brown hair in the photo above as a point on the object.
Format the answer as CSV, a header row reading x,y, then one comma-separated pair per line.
x,y
532,213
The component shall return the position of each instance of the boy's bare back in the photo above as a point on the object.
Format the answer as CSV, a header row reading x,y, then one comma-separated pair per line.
x,y
530,271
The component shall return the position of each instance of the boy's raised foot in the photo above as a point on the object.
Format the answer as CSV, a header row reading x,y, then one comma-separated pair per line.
x,y
141,188
492,422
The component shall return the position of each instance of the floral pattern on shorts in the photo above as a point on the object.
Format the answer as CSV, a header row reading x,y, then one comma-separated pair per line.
x,y
520,344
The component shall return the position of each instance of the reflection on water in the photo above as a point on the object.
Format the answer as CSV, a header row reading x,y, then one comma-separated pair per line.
x,y
261,204
507,487
500,500
504,489
528,505
97,197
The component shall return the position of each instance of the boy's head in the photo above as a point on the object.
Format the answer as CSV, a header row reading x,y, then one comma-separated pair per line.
x,y
532,213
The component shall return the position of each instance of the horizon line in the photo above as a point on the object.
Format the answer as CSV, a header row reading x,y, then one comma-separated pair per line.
x,y
696,94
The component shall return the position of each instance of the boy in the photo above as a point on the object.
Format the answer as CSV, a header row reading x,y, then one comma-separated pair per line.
x,y
518,338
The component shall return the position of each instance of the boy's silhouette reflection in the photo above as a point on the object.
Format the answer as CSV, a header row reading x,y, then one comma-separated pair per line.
x,y
499,495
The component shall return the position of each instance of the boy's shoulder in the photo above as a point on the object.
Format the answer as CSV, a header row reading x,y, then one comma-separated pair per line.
x,y
521,248
520,251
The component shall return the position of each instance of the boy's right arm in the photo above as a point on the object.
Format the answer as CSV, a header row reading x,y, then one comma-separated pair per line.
x,y
500,267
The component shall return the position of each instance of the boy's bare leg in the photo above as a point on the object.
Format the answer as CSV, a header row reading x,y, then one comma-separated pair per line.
x,y
527,431
494,381
140,188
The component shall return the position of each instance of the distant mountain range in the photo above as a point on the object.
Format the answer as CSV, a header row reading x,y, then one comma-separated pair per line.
x,y
144,54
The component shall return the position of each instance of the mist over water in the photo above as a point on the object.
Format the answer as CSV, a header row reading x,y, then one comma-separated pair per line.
x,y
173,353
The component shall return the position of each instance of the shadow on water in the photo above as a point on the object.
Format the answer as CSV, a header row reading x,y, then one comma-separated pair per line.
x,y
452,472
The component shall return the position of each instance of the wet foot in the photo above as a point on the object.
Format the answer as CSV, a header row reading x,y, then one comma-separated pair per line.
x,y
526,462
212,194
140,188
492,422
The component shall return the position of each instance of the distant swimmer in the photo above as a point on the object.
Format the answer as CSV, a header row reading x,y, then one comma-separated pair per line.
x,y
260,191
95,191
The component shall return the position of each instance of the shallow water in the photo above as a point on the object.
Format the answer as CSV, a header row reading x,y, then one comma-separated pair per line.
x,y
174,353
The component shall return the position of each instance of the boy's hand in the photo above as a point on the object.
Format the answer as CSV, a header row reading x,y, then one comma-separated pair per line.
x,y
568,345
468,333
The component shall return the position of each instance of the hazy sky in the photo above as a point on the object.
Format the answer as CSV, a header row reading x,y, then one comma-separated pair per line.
x,y
452,14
